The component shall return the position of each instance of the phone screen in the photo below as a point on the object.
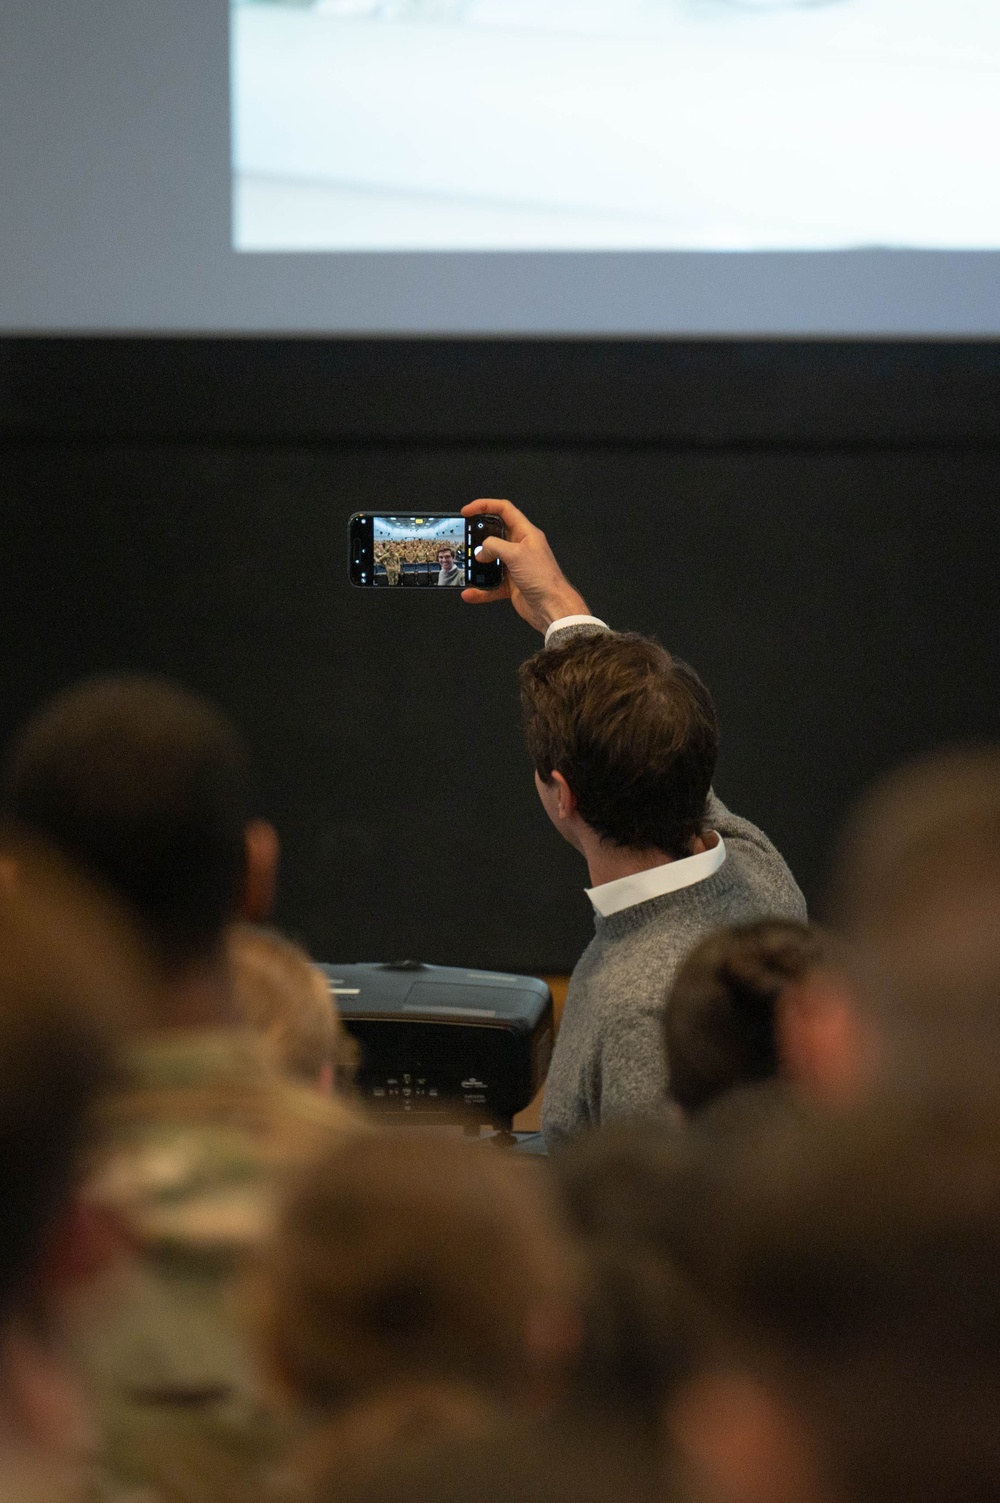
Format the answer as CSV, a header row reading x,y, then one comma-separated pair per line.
x,y
432,551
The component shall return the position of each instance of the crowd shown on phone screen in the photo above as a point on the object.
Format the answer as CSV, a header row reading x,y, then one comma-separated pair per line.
x,y
758,1263
417,561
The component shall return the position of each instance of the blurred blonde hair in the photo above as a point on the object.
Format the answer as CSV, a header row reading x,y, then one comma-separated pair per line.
x,y
286,1000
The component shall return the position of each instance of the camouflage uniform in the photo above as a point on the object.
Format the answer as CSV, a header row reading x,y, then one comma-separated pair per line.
x,y
195,1144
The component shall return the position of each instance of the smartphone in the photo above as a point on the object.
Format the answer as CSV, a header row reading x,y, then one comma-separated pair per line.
x,y
407,551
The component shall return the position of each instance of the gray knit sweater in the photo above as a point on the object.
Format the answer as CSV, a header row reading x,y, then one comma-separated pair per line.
x,y
609,1059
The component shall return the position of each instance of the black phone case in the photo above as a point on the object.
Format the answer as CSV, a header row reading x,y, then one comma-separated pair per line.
x,y
364,573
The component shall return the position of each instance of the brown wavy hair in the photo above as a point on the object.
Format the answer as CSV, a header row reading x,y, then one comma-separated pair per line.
x,y
631,729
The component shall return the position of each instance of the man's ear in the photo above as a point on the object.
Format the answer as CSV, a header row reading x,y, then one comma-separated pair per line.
x,y
741,1441
263,850
824,1045
566,797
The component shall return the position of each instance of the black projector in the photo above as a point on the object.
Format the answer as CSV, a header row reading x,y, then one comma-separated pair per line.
x,y
440,1043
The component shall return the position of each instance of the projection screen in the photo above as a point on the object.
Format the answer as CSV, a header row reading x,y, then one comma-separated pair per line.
x,y
591,167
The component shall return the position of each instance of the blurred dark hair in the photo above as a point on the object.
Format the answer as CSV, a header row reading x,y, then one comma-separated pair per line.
x,y
148,788
633,732
643,1325
719,1022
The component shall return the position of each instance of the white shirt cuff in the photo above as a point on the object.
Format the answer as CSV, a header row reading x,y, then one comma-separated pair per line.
x,y
574,621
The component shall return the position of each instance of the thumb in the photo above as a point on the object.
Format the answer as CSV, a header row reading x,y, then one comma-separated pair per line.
x,y
472,596
496,548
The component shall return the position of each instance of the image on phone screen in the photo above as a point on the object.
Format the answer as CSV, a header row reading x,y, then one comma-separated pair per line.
x,y
432,551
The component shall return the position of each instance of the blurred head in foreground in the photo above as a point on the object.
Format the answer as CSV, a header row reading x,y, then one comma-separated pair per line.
x,y
642,1325
147,787
908,996
416,1287
287,1001
67,963
51,1066
850,1264
916,893
53,1059
561,1461
733,1013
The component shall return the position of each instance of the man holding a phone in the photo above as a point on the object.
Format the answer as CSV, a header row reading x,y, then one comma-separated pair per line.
x,y
450,574
623,737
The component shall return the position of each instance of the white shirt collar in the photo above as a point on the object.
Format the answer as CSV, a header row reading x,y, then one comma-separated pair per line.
x,y
625,892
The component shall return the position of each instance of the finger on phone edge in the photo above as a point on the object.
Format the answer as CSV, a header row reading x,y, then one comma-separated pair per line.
x,y
505,510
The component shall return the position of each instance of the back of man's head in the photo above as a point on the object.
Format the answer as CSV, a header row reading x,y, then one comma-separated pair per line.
x,y
631,729
147,787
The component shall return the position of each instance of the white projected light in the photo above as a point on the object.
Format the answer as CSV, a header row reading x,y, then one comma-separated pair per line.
x,y
437,125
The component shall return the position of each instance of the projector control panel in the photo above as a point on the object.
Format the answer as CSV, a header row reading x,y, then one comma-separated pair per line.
x,y
442,1042
408,1092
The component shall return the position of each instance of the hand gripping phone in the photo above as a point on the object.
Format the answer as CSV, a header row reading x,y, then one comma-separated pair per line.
x,y
429,550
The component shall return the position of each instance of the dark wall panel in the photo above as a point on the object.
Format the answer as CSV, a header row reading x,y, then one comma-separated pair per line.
x,y
839,599
696,393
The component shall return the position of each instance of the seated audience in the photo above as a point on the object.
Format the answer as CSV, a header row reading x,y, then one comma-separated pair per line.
x,y
419,1288
642,1333
623,738
287,1001
148,789
730,1019
850,1264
